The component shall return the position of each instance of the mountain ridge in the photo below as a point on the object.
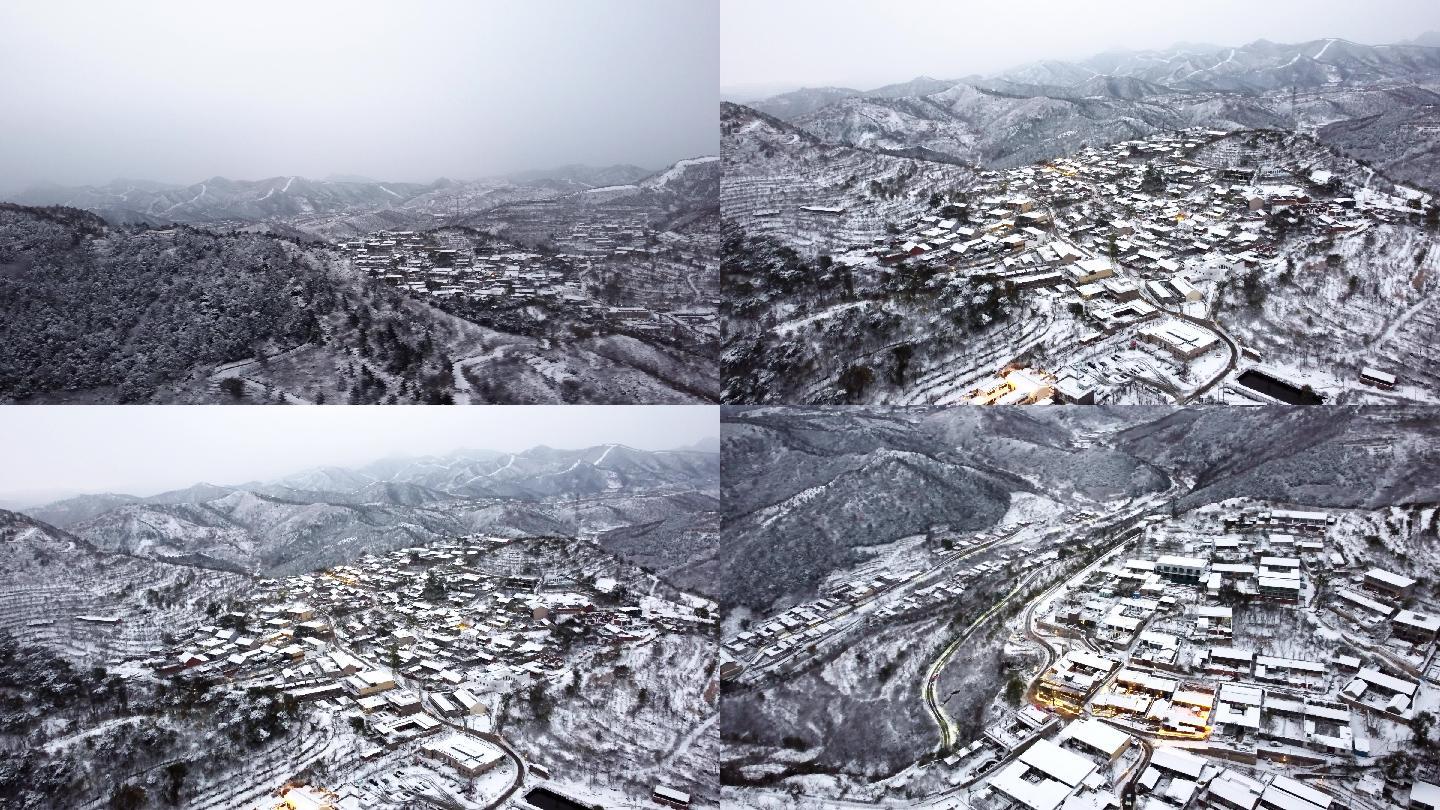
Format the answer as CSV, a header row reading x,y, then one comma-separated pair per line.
x,y
294,523
336,206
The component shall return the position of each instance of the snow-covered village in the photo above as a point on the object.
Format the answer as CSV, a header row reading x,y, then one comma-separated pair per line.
x,y
1242,224
531,629
587,281
1118,256
1194,266
537,227
476,672
401,671
1163,646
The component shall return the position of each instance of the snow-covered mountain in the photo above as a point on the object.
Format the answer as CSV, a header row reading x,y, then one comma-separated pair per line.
x,y
580,175
806,490
1330,455
791,105
220,198
49,577
806,100
812,491
680,198
327,515
1364,94
342,208
1257,67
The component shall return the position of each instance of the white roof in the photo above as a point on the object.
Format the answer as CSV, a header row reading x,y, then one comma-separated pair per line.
x,y
469,750
1375,676
1180,790
1056,762
1232,653
1389,578
1182,334
1088,659
1327,713
1422,621
1280,562
1285,800
1046,794
1247,716
1149,778
1146,680
1241,694
1425,793
1364,601
1117,618
1191,697
1233,792
1304,791
1292,514
1289,663
1178,760
1098,735
1279,582
1181,562
672,794
1377,374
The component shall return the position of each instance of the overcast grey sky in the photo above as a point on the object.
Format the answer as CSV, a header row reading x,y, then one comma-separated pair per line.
x,y
57,451
768,47
184,91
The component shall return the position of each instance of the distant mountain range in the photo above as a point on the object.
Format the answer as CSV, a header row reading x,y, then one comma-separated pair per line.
x,y
1355,95
579,173
1258,67
807,100
329,515
344,206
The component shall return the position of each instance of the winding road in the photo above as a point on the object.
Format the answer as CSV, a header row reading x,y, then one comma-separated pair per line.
x,y
1125,523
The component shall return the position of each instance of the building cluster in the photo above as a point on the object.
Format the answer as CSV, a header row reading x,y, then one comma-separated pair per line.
x,y
805,624
1162,652
453,265
1167,646
801,627
423,639
952,587
628,238
1131,238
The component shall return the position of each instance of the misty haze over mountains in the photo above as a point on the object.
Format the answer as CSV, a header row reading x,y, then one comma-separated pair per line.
x,y
329,515
1183,65
177,92
336,207
572,175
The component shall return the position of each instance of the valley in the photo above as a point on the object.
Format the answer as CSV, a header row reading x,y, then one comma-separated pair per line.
x,y
326,326
1210,622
